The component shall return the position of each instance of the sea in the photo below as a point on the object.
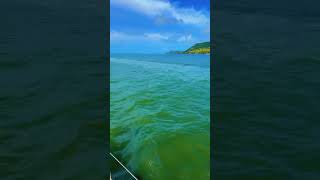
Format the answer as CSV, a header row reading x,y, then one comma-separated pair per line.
x,y
53,84
265,94
160,114
265,90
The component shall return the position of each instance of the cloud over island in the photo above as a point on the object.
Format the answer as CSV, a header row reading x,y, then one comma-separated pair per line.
x,y
160,9
154,25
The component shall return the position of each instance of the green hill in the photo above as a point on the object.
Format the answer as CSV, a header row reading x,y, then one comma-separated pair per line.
x,y
199,48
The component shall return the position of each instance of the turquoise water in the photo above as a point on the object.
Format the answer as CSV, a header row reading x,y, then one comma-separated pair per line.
x,y
160,115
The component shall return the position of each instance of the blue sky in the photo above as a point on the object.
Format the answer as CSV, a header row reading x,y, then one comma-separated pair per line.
x,y
158,26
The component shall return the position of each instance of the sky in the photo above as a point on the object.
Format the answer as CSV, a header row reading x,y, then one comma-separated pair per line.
x,y
158,26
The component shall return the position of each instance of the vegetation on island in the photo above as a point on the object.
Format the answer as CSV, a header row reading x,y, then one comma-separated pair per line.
x,y
199,48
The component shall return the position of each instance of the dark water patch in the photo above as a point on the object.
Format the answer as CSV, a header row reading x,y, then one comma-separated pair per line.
x,y
265,91
53,93
61,125
8,64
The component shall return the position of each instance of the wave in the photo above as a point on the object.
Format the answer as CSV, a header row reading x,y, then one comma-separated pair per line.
x,y
160,110
182,71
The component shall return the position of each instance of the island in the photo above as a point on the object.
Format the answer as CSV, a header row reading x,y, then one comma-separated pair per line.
x,y
199,48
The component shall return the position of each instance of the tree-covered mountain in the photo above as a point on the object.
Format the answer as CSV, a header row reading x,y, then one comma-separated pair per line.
x,y
199,48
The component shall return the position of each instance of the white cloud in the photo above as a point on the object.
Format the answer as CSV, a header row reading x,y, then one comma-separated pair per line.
x,y
149,7
190,16
114,35
122,36
156,8
185,38
156,36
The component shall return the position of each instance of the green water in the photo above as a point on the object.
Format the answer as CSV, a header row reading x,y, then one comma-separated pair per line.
x,y
160,115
